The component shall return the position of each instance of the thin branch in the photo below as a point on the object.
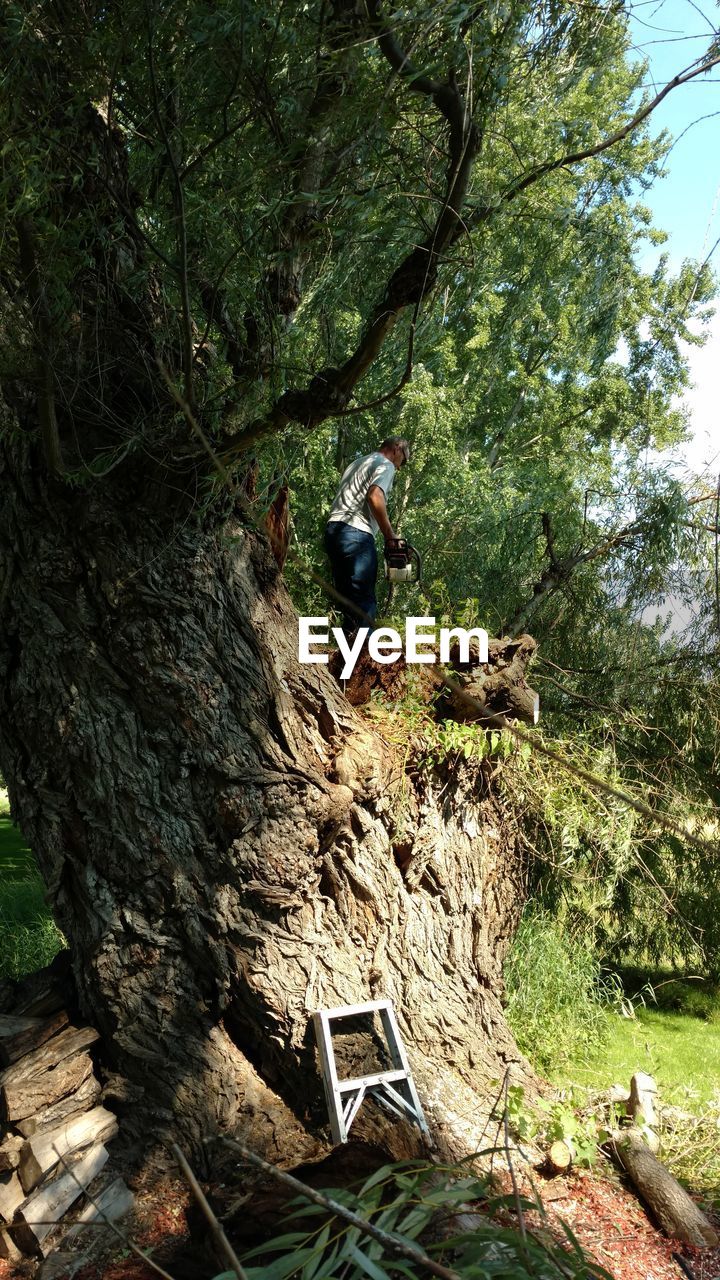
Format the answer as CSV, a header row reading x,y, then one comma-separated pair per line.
x,y
211,146
328,393
574,157
121,1235
388,1241
221,1241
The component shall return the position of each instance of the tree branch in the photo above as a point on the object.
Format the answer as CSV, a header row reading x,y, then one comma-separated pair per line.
x,y
329,391
574,157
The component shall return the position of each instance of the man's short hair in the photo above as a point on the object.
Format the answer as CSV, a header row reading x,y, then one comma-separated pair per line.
x,y
397,442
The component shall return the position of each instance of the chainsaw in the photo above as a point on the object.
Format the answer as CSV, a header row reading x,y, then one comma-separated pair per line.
x,y
402,562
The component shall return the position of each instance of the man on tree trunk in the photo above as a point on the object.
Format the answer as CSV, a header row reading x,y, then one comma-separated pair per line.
x,y
357,514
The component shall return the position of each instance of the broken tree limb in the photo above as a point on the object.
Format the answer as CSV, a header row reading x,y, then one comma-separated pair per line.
x,y
641,1103
499,685
671,1206
394,1244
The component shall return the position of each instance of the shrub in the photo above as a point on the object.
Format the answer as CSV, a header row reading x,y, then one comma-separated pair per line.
x,y
557,996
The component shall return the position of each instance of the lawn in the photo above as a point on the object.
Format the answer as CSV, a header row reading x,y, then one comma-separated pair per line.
x,y
28,936
15,857
680,1050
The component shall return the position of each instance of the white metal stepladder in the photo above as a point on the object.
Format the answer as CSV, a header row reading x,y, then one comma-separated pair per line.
x,y
395,1089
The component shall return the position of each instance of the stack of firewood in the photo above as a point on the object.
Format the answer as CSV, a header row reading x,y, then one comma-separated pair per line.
x,y
53,1128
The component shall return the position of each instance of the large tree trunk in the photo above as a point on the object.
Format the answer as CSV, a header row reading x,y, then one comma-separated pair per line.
x,y
226,843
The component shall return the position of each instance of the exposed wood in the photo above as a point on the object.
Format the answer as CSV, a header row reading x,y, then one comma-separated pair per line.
x,y
20,1035
11,1195
109,1205
43,1152
28,1097
8,1248
57,1050
500,685
560,1156
277,522
640,1104
87,1096
10,1153
37,1216
671,1206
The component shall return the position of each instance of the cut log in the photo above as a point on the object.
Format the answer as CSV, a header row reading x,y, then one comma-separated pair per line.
x,y
671,1206
37,1216
10,1153
41,1153
109,1205
559,1156
11,1195
8,1248
19,1036
27,1098
65,1045
83,1099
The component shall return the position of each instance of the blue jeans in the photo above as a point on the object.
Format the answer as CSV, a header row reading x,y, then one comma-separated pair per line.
x,y
353,560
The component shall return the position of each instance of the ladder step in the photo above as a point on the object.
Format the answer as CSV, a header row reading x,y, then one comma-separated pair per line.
x,y
368,1081
345,1097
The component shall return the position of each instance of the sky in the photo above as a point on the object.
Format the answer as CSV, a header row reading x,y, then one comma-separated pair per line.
x,y
671,34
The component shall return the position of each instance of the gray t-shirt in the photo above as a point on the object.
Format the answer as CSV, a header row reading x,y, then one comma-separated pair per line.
x,y
351,505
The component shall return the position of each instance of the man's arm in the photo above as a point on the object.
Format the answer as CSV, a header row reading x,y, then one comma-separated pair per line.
x,y
376,503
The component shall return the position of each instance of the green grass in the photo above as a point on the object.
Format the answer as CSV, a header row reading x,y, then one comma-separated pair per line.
x,y
556,994
577,1038
681,1050
29,938
15,857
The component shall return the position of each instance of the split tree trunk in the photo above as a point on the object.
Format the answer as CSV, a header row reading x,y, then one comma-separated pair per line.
x,y
222,835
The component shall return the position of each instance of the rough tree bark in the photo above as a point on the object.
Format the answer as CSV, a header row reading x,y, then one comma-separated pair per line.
x,y
221,834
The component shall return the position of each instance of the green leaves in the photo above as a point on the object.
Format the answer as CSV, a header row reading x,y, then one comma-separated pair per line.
x,y
403,1201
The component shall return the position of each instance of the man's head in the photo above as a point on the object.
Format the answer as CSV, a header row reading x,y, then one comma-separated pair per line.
x,y
397,449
